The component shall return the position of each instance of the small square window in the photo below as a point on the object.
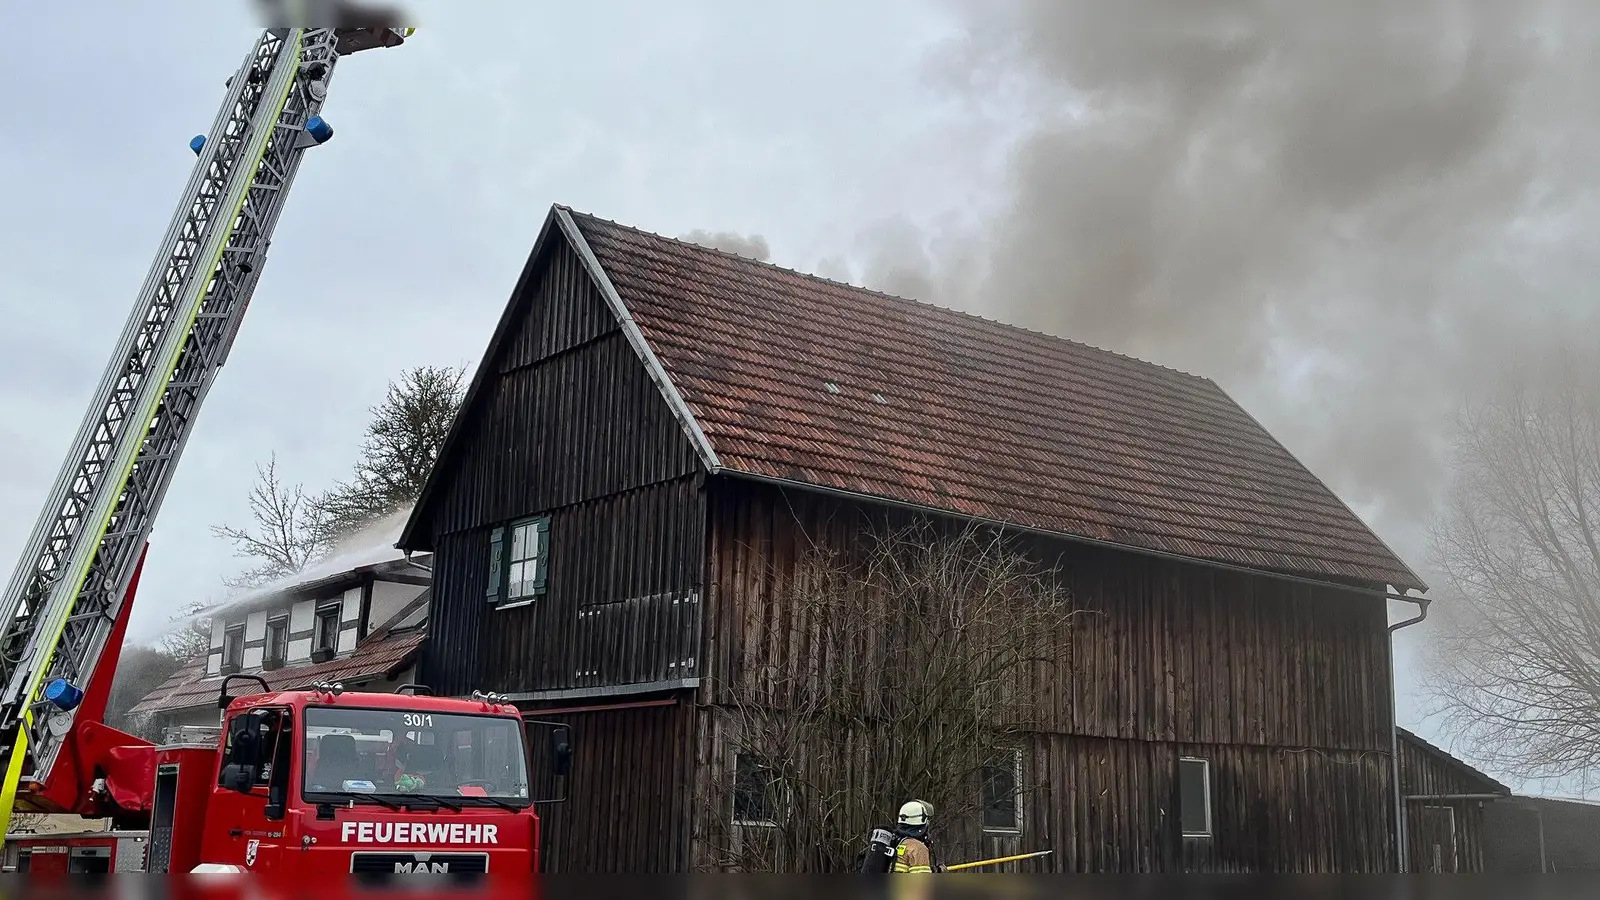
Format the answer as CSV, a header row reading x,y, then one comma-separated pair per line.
x,y
1194,796
756,791
1002,789
518,561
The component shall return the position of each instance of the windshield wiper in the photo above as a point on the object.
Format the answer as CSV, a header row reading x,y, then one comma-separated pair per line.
x,y
506,805
399,800
358,795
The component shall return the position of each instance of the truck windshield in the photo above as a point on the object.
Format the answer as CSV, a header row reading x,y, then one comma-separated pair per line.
x,y
389,753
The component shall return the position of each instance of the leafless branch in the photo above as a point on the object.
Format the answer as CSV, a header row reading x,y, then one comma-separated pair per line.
x,y
914,660
285,535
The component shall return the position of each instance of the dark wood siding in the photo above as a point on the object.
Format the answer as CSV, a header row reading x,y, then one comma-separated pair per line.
x,y
1167,651
1444,810
627,806
570,412
1110,806
1283,686
571,425
622,605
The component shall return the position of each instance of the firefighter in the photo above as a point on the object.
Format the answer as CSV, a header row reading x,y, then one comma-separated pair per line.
x,y
913,853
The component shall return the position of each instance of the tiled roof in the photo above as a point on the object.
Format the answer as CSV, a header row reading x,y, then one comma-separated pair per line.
x,y
388,648
802,379
189,688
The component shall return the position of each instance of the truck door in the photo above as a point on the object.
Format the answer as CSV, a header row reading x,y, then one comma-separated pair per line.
x,y
245,822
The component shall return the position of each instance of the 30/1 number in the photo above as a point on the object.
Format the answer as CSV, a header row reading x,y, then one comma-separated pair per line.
x,y
419,720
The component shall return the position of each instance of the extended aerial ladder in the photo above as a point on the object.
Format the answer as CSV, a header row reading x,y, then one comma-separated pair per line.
x,y
65,602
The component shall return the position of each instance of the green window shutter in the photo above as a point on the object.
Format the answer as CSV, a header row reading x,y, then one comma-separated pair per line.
x,y
542,529
497,565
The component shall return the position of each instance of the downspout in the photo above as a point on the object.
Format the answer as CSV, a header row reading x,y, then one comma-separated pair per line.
x,y
416,668
1400,854
1544,865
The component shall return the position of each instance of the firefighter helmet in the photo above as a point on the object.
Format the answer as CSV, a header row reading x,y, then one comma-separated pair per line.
x,y
915,813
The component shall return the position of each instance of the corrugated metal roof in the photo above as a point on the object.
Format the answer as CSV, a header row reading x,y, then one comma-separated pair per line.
x,y
806,380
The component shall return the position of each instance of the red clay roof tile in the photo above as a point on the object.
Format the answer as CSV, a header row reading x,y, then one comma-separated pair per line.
x,y
954,412
377,657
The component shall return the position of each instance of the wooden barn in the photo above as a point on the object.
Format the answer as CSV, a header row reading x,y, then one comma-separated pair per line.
x,y
1446,808
658,432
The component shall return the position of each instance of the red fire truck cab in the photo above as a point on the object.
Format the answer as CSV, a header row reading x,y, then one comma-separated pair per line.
x,y
332,783
325,782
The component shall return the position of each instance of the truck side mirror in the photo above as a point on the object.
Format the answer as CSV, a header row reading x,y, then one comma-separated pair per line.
x,y
244,752
561,750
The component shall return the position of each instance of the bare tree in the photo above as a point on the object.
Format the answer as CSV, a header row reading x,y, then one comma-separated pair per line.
x,y
906,675
190,632
286,534
1515,665
403,441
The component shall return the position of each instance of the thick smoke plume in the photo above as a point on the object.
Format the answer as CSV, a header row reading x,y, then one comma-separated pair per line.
x,y
1347,214
751,246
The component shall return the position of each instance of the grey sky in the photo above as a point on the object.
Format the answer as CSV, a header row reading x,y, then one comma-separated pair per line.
x,y
891,142
404,234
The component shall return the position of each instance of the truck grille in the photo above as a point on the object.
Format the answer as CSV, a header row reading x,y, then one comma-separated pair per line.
x,y
403,864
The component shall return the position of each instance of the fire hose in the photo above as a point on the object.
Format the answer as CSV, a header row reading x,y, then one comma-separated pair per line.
x,y
994,862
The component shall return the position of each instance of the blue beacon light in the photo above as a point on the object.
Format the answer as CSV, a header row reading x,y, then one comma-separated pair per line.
x,y
63,693
319,129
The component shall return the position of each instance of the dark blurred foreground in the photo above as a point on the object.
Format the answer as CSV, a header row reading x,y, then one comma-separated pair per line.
x,y
330,14
747,887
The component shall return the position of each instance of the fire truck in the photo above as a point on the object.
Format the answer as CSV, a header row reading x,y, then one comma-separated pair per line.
x,y
311,782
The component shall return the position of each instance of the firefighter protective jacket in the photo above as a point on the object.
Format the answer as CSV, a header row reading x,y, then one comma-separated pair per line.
x,y
912,856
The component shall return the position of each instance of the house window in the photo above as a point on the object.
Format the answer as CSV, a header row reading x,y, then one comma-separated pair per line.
x,y
518,561
755,791
1194,796
1002,789
233,649
277,642
327,635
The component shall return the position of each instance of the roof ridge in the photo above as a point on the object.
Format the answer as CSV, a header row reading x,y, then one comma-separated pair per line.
x,y
949,310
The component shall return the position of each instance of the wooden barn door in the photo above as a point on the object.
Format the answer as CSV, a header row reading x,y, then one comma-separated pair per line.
x,y
1433,846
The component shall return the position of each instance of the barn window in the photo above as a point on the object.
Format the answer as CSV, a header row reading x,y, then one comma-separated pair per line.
x,y
1194,796
518,562
756,788
233,649
1002,790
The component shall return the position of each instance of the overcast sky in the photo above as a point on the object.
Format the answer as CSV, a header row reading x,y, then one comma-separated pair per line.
x,y
1046,164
